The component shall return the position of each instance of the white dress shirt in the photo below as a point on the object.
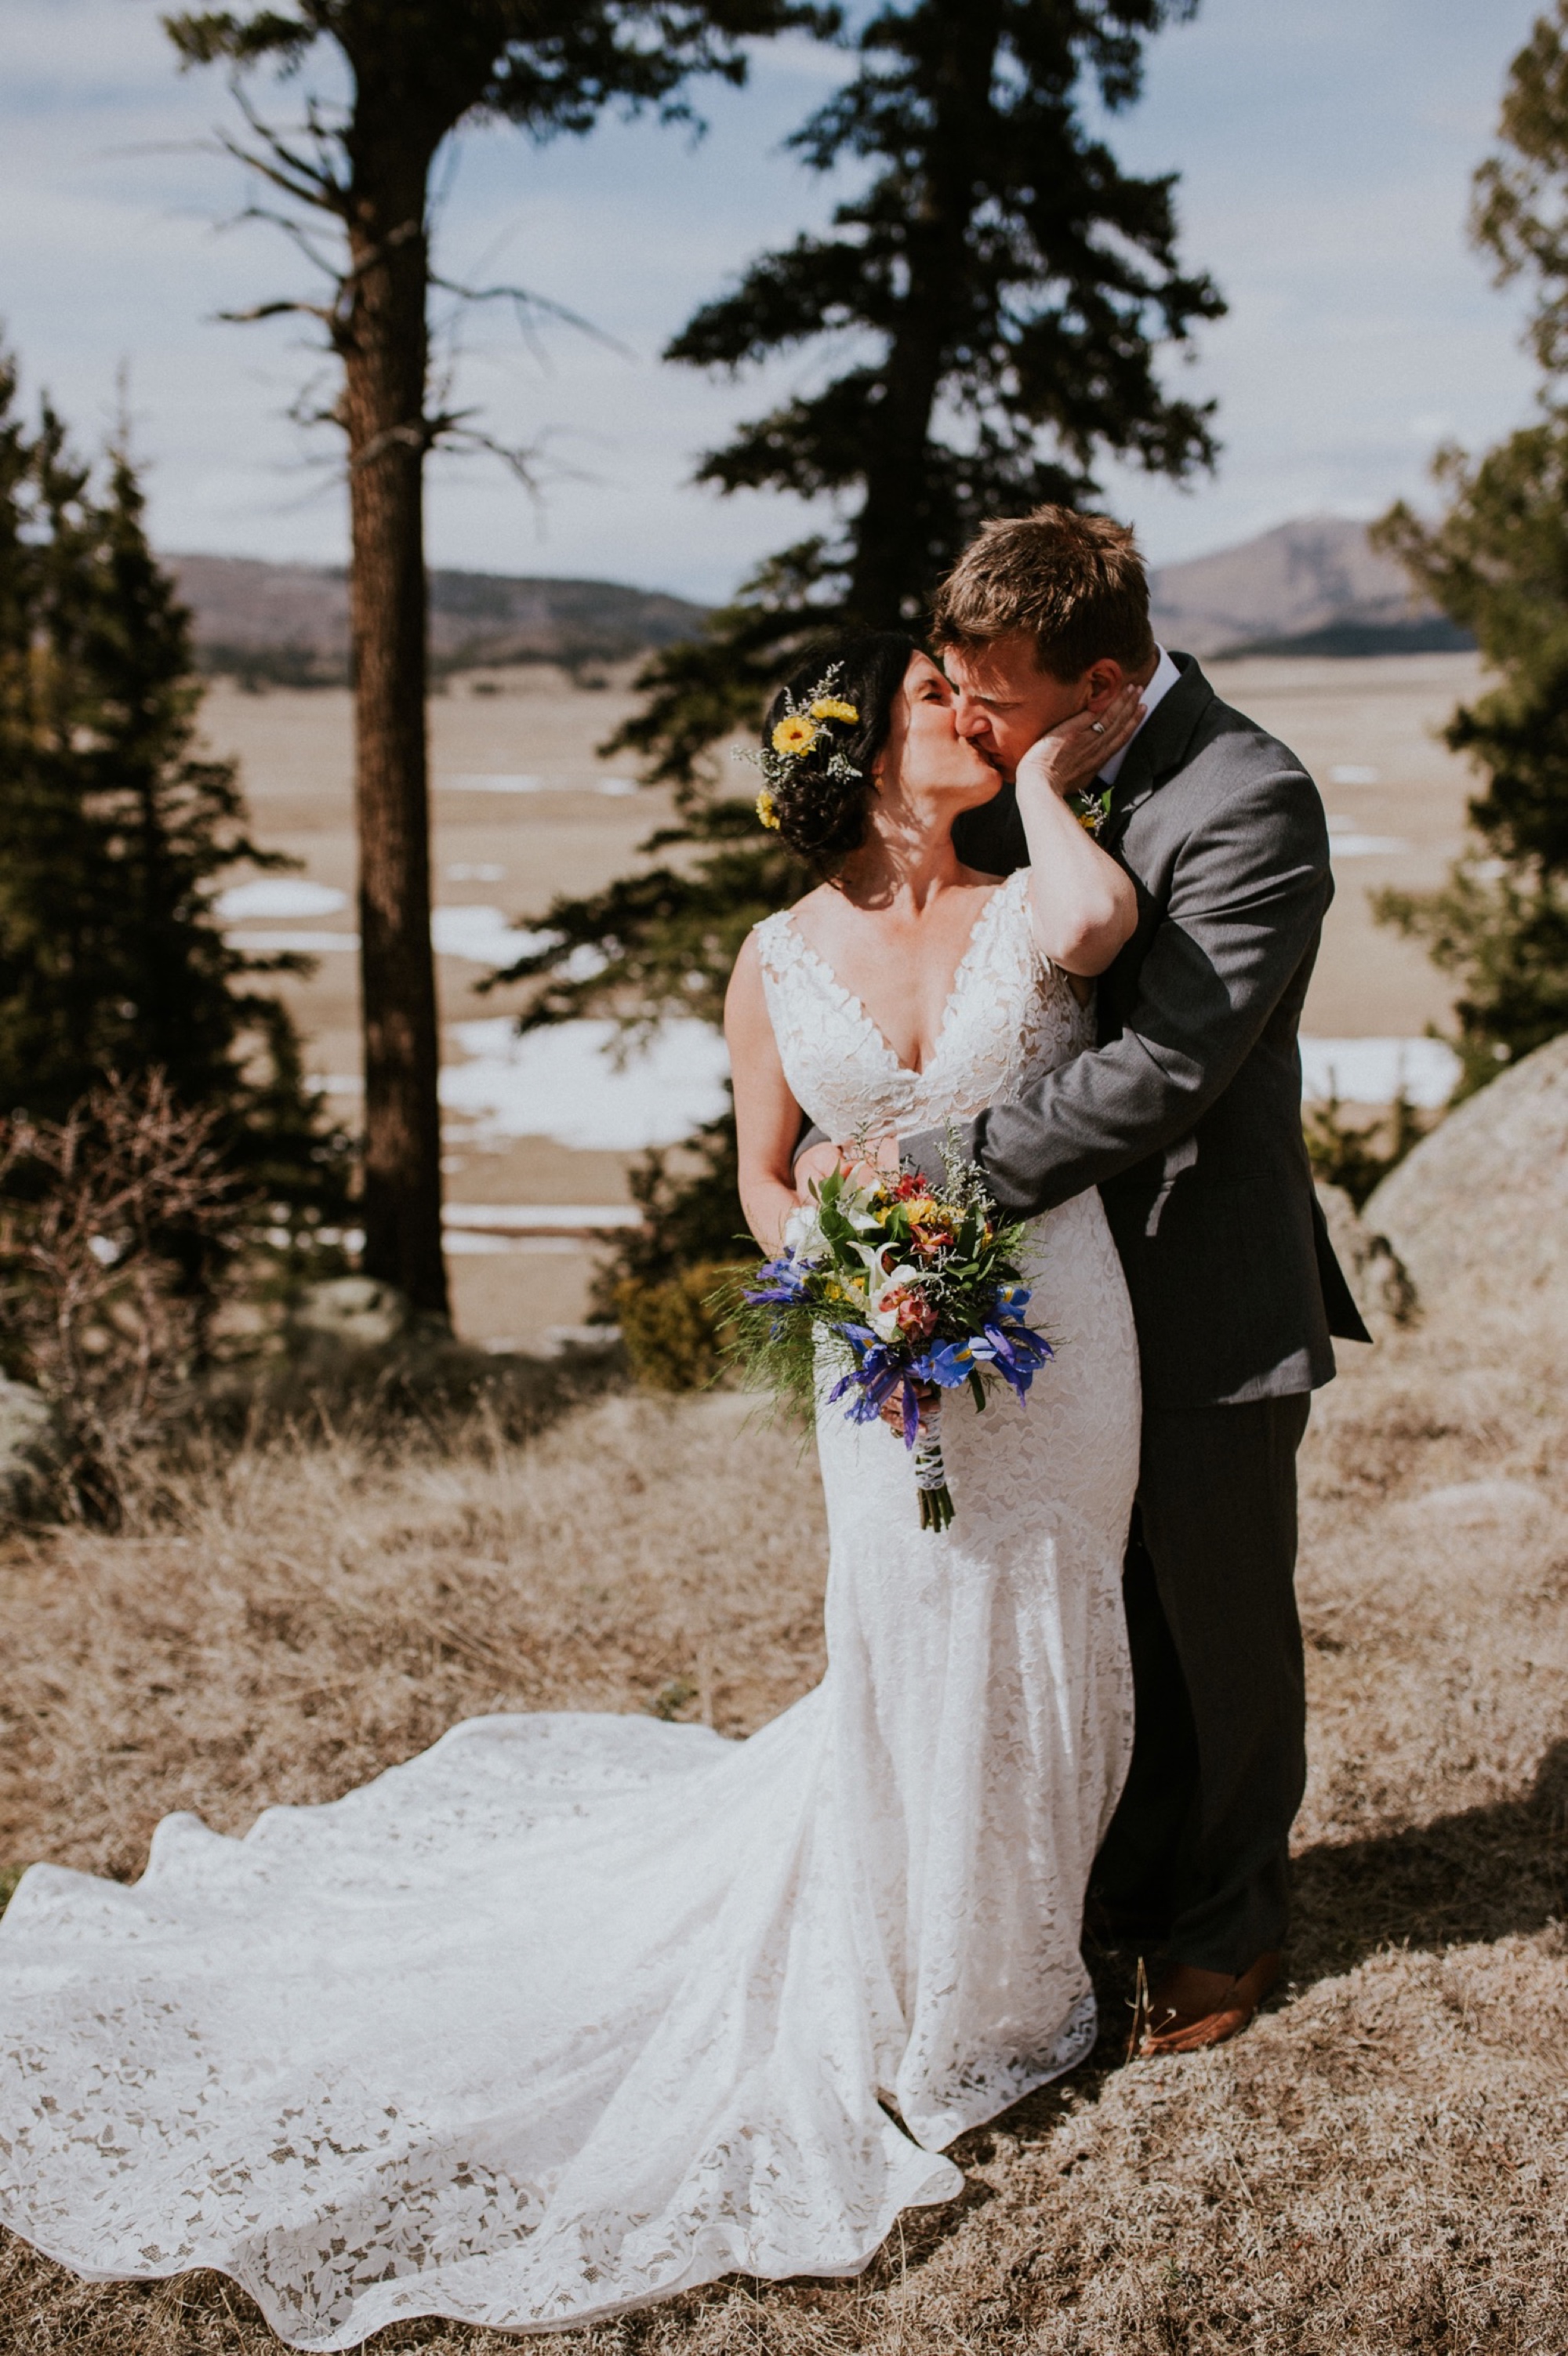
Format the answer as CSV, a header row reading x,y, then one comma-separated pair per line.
x,y
1165,679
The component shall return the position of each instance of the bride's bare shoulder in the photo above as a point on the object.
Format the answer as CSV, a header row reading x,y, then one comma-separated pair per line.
x,y
745,999
812,916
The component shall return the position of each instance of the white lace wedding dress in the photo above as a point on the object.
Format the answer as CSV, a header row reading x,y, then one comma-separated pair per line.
x,y
573,2012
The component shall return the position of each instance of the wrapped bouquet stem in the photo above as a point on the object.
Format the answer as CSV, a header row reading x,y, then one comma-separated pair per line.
x,y
901,1291
931,1471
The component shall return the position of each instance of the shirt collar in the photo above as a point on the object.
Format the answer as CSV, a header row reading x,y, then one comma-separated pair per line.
x,y
1166,676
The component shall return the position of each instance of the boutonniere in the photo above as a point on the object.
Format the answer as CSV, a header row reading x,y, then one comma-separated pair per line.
x,y
1091,811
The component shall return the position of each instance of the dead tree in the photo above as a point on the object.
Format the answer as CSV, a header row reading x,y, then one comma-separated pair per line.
x,y
417,70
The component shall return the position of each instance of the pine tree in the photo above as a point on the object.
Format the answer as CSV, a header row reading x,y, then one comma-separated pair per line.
x,y
113,834
1498,563
1004,289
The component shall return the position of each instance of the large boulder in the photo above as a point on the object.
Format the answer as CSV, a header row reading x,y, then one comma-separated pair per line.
x,y
1480,1208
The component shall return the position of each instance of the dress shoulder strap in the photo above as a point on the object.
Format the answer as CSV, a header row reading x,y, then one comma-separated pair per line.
x,y
779,944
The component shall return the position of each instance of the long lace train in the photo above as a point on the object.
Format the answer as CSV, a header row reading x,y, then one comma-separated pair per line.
x,y
570,2011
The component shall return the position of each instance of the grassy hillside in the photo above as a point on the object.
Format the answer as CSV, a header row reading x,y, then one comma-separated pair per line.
x,y
1380,2165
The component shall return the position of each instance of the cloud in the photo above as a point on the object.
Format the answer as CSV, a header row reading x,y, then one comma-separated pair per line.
x,y
1324,150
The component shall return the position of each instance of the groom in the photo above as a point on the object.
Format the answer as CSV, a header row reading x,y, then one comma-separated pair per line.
x,y
1188,1117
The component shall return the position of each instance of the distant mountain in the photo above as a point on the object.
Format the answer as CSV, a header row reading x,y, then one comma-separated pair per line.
x,y
289,623
1313,587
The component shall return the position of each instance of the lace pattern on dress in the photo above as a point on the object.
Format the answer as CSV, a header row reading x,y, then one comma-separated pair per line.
x,y
1009,1019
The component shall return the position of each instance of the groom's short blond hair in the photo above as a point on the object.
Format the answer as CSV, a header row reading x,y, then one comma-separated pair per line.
x,y
1075,583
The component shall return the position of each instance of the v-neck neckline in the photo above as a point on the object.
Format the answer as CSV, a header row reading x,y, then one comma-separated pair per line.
x,y
908,1071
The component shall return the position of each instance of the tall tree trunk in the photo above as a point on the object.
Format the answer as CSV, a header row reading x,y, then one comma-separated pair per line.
x,y
893,554
384,387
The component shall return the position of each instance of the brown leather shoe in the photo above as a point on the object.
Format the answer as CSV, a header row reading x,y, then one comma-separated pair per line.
x,y
1191,2009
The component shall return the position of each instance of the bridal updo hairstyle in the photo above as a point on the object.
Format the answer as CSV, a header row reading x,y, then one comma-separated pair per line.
x,y
822,818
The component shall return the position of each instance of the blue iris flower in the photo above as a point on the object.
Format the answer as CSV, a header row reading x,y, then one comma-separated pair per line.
x,y
880,1370
1016,1353
782,1281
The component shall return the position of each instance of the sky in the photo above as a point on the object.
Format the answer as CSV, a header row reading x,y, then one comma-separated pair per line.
x,y
1324,149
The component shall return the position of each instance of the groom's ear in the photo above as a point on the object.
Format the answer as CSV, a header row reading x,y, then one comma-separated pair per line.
x,y
1101,681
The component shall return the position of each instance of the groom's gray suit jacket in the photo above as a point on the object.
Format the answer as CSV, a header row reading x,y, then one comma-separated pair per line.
x,y
1188,1117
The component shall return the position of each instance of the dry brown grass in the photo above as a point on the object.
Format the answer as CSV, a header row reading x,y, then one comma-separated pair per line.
x,y
330,1604
1377,2166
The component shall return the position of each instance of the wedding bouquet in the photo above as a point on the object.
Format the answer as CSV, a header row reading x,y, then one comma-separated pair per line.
x,y
900,1288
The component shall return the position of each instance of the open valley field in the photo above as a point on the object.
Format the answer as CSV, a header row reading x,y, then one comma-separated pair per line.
x,y
523,807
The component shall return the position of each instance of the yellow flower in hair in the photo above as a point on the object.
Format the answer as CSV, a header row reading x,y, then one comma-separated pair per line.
x,y
794,735
834,707
766,810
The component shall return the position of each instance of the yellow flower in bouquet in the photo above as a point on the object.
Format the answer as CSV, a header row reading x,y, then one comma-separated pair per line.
x,y
766,810
834,707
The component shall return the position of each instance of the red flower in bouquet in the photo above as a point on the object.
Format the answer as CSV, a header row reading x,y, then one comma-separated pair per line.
x,y
916,1316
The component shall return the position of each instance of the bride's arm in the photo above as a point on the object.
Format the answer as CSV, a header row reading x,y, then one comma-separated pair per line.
x,y
1083,903
767,1117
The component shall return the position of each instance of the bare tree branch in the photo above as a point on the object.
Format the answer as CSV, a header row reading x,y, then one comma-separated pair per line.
x,y
525,301
276,310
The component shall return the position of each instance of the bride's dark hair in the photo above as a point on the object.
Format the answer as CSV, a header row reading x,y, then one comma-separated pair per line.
x,y
821,816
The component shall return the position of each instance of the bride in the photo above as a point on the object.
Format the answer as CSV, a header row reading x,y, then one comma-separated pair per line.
x,y
575,2012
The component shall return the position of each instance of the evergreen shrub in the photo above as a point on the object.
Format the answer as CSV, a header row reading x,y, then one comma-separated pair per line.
x,y
672,1331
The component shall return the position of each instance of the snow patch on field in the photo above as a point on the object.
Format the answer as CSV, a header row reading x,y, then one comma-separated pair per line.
x,y
482,935
565,1083
279,895
1374,1071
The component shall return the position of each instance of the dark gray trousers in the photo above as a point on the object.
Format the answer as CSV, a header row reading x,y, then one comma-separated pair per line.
x,y
1195,1863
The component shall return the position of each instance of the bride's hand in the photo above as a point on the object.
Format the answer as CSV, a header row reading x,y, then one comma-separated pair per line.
x,y
819,1162
1072,753
892,1409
